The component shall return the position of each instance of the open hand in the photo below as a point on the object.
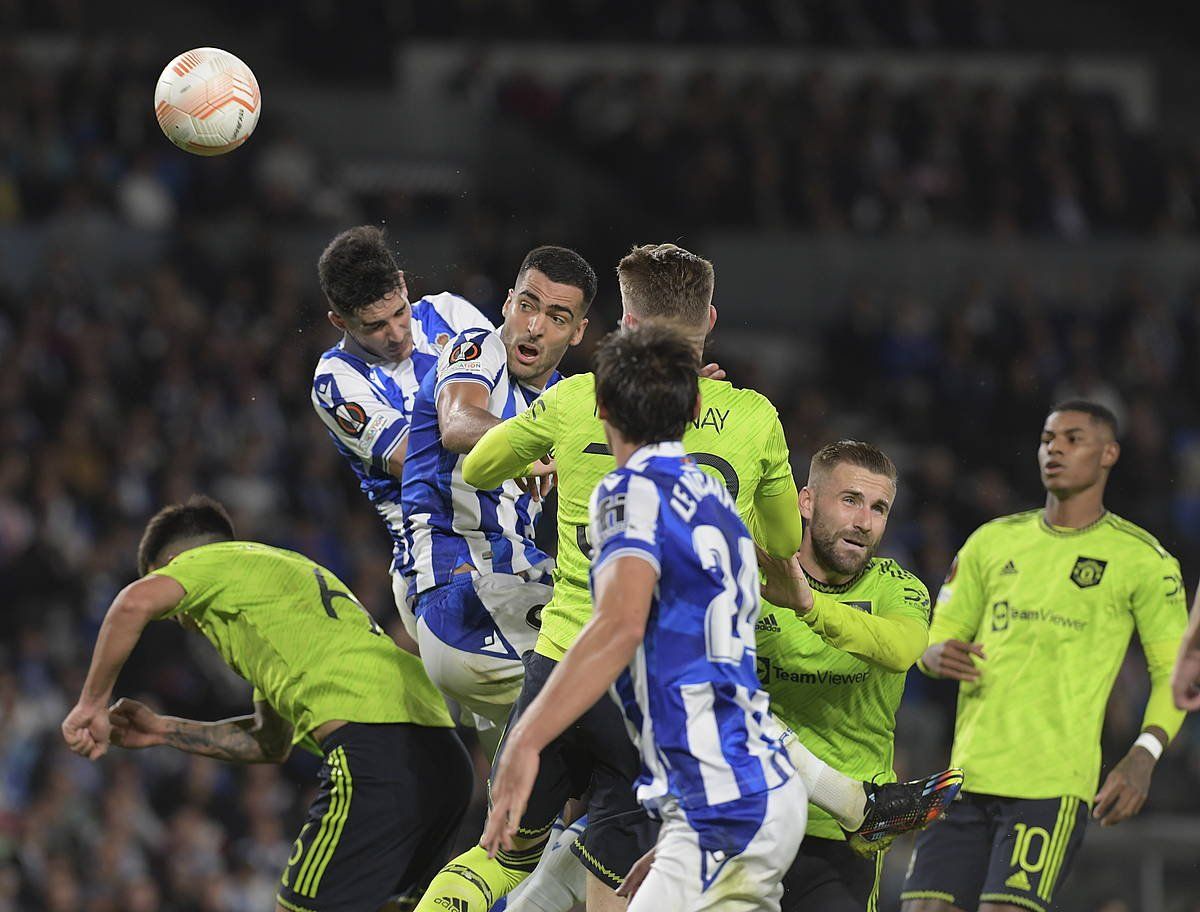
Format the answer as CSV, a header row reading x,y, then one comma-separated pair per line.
x,y
542,477
512,781
1125,789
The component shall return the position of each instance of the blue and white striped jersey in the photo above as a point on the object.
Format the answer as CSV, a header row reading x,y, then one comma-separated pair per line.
x,y
447,522
691,696
366,402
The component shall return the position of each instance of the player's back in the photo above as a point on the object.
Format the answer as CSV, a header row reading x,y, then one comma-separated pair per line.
x,y
296,632
736,438
691,693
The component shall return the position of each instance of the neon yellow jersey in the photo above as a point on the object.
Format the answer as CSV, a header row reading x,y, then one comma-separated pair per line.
x,y
841,707
300,637
1054,610
737,438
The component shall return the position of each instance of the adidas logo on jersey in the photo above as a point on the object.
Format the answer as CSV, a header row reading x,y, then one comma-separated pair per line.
x,y
453,903
1019,881
768,623
1008,568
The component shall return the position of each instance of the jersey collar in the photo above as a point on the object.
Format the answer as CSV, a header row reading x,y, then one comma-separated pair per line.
x,y
1067,533
830,589
643,455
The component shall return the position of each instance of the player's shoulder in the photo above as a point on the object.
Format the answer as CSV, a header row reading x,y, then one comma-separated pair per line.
x,y
336,361
1007,525
472,343
1140,542
723,391
888,570
447,314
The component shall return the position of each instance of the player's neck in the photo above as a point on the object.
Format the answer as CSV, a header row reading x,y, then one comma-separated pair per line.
x,y
815,570
1077,511
622,449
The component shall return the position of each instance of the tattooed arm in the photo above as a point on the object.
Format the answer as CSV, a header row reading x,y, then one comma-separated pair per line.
x,y
264,737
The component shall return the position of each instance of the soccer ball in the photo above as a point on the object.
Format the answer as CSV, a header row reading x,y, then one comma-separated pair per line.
x,y
207,101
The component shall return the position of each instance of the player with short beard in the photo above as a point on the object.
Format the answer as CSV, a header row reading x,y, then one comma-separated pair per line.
x,y
834,660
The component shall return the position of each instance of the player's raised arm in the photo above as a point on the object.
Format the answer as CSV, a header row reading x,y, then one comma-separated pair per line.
x,y
510,448
86,728
775,522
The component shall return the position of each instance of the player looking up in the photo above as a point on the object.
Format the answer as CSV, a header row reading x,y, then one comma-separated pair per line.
x,y
673,580
1034,620
325,677
738,438
471,560
363,387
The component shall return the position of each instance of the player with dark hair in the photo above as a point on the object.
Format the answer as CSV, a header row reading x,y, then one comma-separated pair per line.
x,y
738,438
1034,620
364,386
325,677
673,579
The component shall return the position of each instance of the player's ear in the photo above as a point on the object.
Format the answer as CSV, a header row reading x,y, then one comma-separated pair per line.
x,y
507,304
1110,455
806,503
712,317
577,337
696,408
338,323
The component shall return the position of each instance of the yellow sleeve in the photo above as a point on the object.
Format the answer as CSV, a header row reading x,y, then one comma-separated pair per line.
x,y
777,465
1160,614
960,603
893,638
775,523
508,448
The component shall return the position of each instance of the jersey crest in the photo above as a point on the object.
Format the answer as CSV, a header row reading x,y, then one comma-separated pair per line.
x,y
1087,572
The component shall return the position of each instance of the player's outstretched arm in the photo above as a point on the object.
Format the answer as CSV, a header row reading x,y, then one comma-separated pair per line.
x,y
1185,678
624,587
264,737
86,727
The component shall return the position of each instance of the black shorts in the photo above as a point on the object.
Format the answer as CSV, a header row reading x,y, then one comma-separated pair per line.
x,y
384,820
827,877
998,850
594,757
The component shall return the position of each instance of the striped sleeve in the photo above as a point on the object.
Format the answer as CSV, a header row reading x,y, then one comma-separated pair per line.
x,y
356,413
625,521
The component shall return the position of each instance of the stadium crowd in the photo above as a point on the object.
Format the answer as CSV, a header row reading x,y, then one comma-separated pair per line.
x,y
122,395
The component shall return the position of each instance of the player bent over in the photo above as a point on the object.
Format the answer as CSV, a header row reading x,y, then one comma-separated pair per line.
x,y
674,580
325,677
1034,620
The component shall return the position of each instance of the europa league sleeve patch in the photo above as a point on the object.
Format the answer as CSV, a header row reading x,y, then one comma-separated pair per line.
x,y
351,418
465,351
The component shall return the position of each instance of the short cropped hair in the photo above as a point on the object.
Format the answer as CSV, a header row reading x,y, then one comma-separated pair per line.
x,y
1094,410
647,383
199,517
666,282
856,452
565,266
356,269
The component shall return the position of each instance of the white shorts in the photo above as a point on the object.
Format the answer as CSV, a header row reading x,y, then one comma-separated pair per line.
x,y
686,877
473,632
403,604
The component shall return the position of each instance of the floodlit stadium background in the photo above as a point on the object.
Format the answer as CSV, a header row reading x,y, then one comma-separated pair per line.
x,y
929,218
